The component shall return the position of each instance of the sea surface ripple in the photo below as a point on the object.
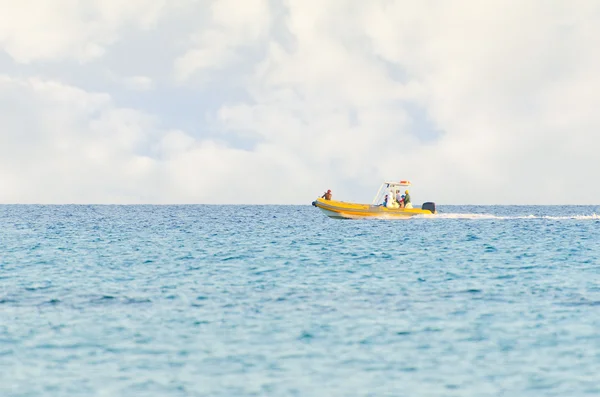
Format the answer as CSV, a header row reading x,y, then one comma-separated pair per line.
x,y
283,301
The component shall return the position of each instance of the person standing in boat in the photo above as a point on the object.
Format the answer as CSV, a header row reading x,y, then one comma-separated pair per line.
x,y
407,202
327,195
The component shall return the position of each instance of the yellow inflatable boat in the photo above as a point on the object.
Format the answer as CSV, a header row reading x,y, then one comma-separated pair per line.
x,y
386,209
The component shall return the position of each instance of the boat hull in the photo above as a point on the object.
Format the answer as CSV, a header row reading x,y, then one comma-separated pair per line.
x,y
342,210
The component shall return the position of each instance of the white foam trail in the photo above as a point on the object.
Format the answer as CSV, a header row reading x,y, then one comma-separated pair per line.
x,y
381,216
490,216
477,217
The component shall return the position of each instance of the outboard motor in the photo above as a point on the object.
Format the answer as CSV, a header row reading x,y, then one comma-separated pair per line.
x,y
429,206
314,203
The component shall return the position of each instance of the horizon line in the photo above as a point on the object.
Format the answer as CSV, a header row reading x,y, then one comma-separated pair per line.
x,y
268,204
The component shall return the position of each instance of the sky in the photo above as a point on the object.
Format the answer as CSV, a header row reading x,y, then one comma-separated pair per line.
x,y
276,101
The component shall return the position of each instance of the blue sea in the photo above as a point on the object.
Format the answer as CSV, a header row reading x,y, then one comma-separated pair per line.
x,y
283,301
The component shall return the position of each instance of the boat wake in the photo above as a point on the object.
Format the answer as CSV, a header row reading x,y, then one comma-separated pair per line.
x,y
500,217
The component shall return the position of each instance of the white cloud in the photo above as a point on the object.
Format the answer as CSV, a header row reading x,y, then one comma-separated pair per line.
x,y
233,26
62,144
139,83
483,72
489,72
476,103
32,30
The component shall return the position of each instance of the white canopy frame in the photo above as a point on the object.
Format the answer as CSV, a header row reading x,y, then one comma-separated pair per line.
x,y
387,185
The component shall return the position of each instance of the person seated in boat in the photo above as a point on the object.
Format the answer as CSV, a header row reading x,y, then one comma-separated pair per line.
x,y
389,201
400,199
407,202
327,195
385,201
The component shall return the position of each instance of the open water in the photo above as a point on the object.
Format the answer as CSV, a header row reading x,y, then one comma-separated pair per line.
x,y
282,301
